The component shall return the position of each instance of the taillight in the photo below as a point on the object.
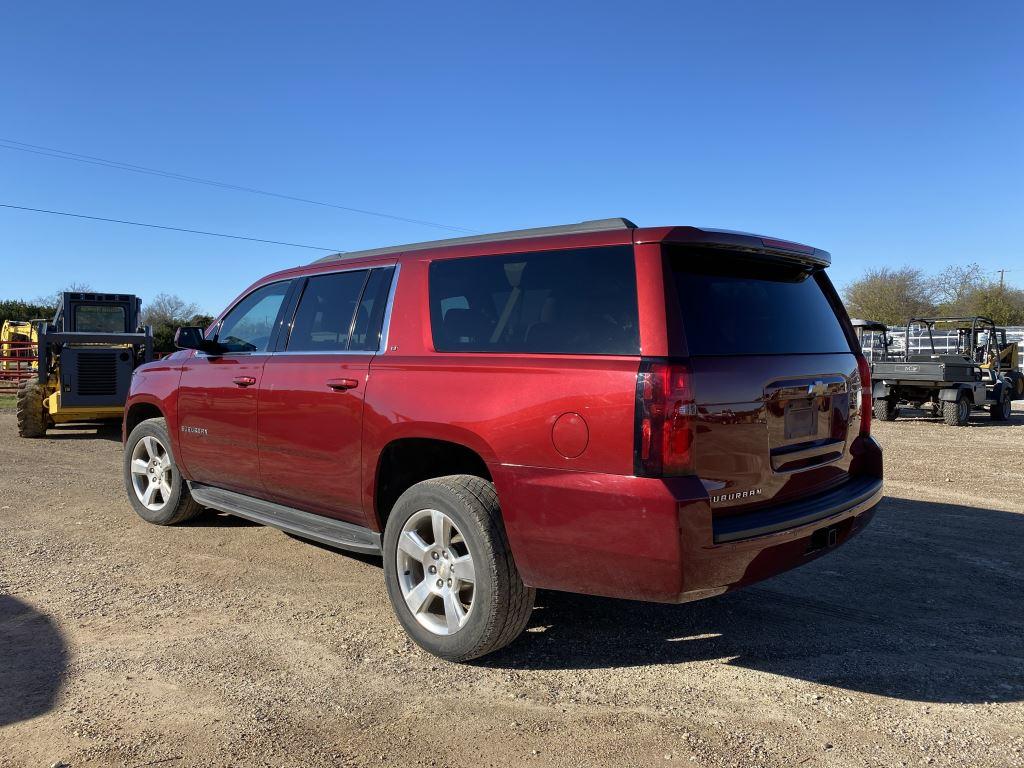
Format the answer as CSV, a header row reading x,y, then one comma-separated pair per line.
x,y
865,395
664,420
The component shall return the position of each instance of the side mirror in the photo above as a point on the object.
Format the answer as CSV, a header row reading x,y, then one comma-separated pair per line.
x,y
191,337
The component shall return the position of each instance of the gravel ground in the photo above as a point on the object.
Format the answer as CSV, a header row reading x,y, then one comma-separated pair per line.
x,y
224,643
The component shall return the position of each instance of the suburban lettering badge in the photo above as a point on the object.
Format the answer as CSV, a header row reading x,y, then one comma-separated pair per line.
x,y
736,495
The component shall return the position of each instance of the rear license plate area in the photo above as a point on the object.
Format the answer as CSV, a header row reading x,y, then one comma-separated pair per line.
x,y
801,419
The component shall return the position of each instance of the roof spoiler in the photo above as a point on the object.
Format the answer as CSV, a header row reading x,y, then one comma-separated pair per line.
x,y
783,250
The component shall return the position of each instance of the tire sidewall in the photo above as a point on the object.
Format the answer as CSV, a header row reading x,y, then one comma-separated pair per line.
x,y
963,410
152,428
434,496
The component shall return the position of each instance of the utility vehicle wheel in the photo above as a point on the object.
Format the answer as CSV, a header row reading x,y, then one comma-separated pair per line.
x,y
885,409
449,570
32,417
957,412
155,487
1001,411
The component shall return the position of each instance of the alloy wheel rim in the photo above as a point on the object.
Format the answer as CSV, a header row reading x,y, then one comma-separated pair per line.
x,y
152,473
435,572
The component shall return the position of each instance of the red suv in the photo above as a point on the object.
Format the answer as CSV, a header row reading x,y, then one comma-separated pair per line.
x,y
649,413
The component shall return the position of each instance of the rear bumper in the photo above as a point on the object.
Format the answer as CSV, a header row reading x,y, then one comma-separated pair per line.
x,y
656,539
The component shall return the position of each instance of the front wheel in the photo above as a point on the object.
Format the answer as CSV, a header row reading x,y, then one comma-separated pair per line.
x,y
31,410
156,489
449,570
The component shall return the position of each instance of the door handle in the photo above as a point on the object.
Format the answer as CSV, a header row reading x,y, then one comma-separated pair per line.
x,y
244,381
339,385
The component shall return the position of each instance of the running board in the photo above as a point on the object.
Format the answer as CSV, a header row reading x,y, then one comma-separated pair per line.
x,y
306,525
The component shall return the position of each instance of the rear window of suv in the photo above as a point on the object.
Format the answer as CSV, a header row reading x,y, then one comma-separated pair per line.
x,y
735,305
580,301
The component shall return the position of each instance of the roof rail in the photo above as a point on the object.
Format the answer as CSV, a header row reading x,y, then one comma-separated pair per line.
x,y
596,225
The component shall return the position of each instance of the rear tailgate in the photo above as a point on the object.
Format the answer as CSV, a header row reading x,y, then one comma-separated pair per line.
x,y
775,380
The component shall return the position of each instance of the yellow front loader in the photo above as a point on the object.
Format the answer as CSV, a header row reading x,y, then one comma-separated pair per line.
x,y
84,363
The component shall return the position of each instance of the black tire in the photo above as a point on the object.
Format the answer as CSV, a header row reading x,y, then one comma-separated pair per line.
x,y
1001,410
179,505
32,418
885,409
1016,385
956,413
501,605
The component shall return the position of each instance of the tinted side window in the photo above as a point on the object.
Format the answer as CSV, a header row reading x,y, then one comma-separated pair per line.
x,y
732,305
370,315
248,326
580,301
323,320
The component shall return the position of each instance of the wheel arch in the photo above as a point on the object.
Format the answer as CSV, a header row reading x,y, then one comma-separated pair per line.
x,y
414,454
137,412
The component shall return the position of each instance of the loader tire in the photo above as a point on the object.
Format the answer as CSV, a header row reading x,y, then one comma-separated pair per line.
x,y
1016,385
32,420
1001,410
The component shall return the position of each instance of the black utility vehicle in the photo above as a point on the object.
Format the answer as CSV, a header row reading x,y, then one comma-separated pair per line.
x,y
974,375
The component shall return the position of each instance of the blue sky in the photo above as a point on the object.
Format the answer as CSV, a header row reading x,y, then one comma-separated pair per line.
x,y
887,133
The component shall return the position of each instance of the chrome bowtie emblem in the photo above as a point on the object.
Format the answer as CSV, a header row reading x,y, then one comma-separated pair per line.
x,y
817,389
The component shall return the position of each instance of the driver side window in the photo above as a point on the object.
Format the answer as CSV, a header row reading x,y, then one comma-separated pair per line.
x,y
248,326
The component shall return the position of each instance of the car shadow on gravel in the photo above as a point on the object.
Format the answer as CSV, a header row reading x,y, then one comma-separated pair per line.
x,y
33,661
924,605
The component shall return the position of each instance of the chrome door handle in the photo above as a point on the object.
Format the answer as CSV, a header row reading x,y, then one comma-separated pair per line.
x,y
244,381
339,385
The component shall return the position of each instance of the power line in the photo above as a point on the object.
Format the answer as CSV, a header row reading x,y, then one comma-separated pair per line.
x,y
61,154
162,226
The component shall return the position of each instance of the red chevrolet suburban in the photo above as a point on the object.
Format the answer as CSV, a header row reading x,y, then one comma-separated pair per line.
x,y
650,413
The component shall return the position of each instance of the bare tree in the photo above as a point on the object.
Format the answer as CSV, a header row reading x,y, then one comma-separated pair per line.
x,y
889,295
168,309
955,284
53,299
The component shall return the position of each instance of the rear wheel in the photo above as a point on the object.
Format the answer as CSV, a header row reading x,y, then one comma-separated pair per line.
x,y
1001,411
32,417
957,412
156,489
885,409
449,569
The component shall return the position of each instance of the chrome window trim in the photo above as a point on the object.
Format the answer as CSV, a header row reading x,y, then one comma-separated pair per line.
x,y
384,329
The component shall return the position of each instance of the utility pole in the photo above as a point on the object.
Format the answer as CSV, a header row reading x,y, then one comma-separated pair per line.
x,y
1002,275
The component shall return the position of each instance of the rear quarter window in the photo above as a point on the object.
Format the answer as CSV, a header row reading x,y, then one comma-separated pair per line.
x,y
580,301
735,305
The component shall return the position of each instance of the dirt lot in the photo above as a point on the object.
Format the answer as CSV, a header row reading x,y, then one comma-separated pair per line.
x,y
224,643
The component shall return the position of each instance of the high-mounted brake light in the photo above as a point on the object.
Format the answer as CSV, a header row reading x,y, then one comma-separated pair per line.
x,y
786,245
864,368
664,420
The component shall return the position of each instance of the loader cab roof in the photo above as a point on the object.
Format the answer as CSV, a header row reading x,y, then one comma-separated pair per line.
x,y
80,311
